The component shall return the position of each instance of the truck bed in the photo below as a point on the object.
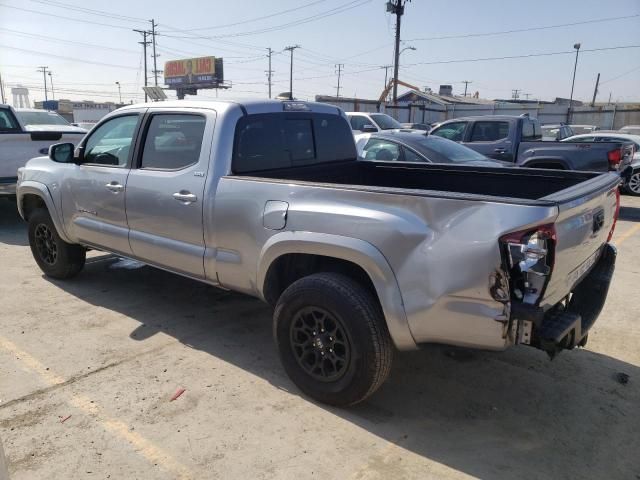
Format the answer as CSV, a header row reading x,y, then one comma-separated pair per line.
x,y
511,183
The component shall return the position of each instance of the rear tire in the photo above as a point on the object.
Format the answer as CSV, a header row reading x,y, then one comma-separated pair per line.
x,y
55,257
633,185
332,338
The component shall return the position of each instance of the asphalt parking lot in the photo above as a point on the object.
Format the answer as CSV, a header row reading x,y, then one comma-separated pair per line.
x,y
88,369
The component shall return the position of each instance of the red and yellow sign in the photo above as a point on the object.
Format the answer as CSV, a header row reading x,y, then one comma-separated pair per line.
x,y
199,71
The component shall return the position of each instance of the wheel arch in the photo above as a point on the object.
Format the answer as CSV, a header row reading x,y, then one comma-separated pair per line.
x,y
32,195
288,256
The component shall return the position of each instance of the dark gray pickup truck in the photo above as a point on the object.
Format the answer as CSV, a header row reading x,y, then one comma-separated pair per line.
x,y
518,140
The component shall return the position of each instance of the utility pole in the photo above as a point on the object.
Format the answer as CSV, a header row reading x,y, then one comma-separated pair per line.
x,y
386,73
291,49
269,72
155,55
396,7
466,82
340,67
527,95
4,100
144,44
515,94
53,94
595,91
44,76
119,92
609,101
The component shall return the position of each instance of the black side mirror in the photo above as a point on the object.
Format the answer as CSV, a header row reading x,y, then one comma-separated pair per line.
x,y
61,152
368,128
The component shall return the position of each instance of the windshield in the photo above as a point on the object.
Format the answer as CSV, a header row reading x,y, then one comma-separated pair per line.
x,y
41,118
385,122
441,150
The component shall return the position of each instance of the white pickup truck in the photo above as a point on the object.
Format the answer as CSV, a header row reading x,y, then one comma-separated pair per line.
x,y
26,133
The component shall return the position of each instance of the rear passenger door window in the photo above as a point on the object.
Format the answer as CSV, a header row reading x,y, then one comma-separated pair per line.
x,y
381,151
489,131
411,156
172,141
8,122
451,131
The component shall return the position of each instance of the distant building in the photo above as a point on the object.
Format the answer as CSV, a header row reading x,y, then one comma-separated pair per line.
x,y
79,111
444,96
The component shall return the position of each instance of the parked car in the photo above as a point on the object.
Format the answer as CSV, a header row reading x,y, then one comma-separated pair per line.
x,y
632,184
517,140
631,129
555,133
417,126
269,198
363,122
408,147
24,134
581,129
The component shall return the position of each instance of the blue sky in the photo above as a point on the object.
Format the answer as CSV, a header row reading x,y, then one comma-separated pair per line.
x,y
359,35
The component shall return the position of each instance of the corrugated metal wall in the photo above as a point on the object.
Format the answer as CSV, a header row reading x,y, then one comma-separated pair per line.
x,y
606,117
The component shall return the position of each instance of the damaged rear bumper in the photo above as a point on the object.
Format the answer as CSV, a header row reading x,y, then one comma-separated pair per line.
x,y
566,325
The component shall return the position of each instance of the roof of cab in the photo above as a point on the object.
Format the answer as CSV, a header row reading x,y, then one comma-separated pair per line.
x,y
250,106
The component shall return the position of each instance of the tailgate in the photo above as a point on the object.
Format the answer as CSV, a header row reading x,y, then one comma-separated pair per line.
x,y
586,216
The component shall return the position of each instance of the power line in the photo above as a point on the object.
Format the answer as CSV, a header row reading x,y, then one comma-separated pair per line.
x,y
51,55
509,57
334,11
65,17
621,75
282,12
519,30
60,40
90,11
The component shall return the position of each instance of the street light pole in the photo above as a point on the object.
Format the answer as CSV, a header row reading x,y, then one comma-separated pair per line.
x,y
53,94
291,49
119,92
575,67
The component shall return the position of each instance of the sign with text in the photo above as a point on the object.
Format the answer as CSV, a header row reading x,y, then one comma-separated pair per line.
x,y
201,72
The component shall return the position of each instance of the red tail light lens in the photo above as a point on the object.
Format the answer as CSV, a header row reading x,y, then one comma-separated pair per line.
x,y
615,216
614,157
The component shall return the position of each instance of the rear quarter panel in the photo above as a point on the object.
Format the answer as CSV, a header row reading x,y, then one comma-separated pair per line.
x,y
441,250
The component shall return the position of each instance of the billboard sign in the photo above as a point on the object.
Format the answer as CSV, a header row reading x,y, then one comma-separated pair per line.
x,y
201,72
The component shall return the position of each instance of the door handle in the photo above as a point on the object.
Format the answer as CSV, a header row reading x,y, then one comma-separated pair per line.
x,y
115,187
185,197
499,150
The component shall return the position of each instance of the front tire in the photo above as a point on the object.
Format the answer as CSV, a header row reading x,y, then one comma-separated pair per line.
x,y
633,185
332,338
55,257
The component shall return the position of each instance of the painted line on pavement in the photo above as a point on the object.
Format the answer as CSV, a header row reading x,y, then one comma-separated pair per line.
x,y
142,445
627,234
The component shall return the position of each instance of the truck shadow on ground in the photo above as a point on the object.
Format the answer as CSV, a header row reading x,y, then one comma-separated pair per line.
x,y
13,230
630,214
489,415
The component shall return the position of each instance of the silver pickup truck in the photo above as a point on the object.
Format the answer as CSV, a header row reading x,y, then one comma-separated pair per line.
x,y
268,198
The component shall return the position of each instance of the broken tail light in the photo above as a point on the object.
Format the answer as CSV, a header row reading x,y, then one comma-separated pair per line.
x,y
529,255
